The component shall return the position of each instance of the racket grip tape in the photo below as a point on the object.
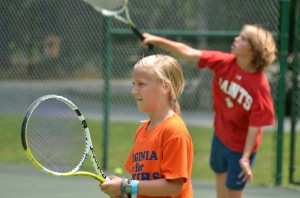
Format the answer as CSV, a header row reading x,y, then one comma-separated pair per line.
x,y
138,33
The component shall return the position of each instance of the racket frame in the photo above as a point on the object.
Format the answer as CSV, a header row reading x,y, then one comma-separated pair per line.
x,y
89,150
116,15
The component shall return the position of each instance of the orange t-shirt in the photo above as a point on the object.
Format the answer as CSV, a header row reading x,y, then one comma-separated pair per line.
x,y
165,151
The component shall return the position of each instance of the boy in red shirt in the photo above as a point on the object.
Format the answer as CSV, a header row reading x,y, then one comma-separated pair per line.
x,y
242,101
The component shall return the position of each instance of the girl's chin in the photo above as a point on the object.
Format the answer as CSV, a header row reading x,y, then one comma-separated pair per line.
x,y
141,109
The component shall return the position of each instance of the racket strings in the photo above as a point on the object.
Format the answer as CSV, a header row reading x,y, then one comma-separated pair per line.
x,y
49,151
55,137
50,159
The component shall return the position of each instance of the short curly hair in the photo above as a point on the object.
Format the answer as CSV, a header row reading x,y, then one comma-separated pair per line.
x,y
263,45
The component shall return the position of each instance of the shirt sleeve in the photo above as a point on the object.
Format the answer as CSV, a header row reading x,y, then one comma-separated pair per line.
x,y
214,60
176,157
262,112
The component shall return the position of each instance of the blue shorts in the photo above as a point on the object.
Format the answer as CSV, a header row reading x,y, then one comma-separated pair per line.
x,y
224,160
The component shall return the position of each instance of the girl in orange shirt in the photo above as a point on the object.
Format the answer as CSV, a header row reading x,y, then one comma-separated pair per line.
x,y
160,161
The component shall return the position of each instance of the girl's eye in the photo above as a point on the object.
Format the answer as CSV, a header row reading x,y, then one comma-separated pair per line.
x,y
137,84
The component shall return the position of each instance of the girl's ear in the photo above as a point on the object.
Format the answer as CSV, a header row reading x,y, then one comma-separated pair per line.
x,y
166,86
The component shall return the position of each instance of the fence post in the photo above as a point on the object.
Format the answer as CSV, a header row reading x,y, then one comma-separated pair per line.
x,y
294,96
106,95
283,52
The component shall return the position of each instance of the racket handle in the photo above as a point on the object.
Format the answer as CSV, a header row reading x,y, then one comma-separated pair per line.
x,y
140,35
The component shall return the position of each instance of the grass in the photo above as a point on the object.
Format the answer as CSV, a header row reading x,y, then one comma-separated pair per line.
x,y
121,139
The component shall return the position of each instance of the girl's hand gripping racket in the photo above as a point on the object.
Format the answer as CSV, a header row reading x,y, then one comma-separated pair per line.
x,y
113,8
56,138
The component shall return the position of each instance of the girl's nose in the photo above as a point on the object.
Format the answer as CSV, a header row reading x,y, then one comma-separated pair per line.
x,y
133,90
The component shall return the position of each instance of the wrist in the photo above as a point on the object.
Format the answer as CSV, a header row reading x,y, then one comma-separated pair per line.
x,y
126,187
129,187
244,160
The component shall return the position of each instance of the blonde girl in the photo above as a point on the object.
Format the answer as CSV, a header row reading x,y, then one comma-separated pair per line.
x,y
160,161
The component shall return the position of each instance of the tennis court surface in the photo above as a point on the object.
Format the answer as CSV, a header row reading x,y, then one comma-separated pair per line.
x,y
26,181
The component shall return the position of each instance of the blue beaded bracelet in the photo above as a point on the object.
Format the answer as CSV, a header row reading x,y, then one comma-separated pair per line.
x,y
134,188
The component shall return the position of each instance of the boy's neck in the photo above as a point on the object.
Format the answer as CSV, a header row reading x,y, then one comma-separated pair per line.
x,y
245,65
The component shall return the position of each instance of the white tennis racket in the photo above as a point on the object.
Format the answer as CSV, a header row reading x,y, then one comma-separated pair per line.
x,y
56,138
113,8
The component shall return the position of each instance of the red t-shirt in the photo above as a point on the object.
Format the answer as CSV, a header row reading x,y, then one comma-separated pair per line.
x,y
165,151
241,99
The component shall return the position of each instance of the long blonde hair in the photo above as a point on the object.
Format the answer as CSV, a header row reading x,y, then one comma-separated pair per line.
x,y
263,45
167,69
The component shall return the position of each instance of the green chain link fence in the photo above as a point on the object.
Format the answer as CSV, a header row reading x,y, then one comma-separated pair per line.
x,y
64,47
